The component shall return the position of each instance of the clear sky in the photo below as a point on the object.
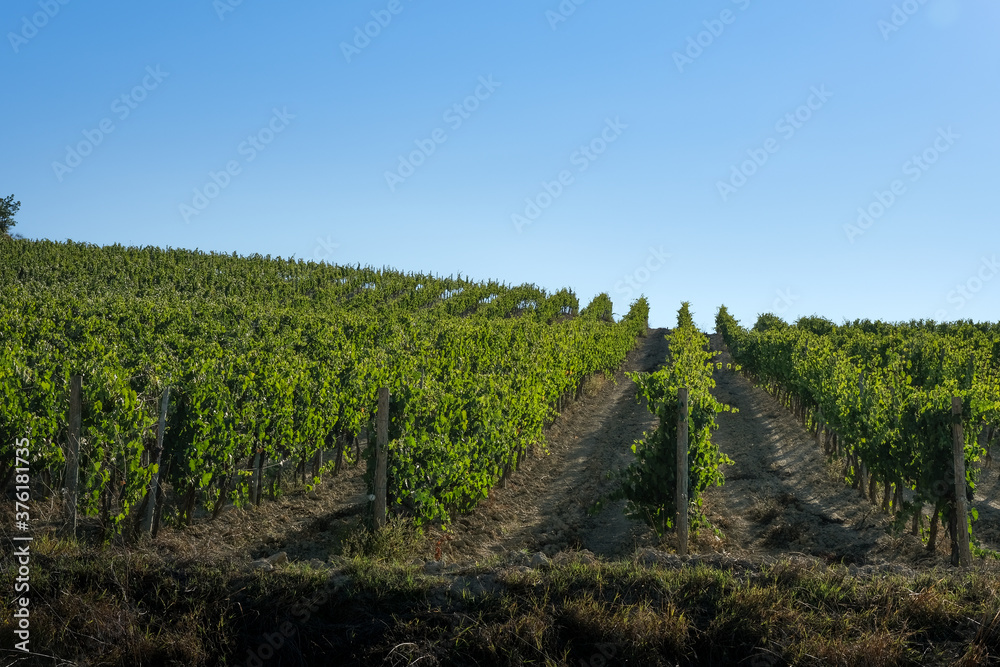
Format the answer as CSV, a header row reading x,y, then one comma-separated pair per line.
x,y
716,152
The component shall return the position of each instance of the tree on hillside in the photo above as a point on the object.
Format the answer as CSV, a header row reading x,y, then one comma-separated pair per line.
x,y
684,318
8,209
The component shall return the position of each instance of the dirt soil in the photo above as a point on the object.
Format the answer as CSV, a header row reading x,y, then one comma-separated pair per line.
x,y
545,504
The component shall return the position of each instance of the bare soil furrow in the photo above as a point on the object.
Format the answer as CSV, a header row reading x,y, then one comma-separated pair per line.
x,y
545,504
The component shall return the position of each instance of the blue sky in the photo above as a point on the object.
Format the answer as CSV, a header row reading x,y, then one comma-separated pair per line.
x,y
716,152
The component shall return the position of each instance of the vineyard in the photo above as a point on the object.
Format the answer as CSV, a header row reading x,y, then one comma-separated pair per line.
x,y
542,464
269,365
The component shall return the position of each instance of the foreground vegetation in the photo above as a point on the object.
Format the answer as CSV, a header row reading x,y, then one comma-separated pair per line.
x,y
373,606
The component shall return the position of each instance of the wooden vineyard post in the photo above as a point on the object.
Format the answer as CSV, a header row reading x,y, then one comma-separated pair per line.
x,y
258,477
73,450
318,462
681,497
154,483
188,507
961,508
341,442
160,499
105,500
381,445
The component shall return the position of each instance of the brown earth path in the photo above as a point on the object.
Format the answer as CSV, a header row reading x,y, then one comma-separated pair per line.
x,y
544,505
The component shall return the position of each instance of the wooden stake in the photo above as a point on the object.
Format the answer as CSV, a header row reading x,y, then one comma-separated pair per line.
x,y
224,491
106,499
259,478
381,458
962,555
159,498
681,498
340,444
73,450
189,501
318,462
154,482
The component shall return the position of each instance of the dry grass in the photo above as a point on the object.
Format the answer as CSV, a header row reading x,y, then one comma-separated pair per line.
x,y
189,599
114,607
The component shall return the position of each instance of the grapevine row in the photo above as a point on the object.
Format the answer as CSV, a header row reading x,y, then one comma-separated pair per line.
x,y
649,483
279,360
885,392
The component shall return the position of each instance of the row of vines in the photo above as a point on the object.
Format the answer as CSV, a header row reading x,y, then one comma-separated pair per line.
x,y
649,483
881,396
275,361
